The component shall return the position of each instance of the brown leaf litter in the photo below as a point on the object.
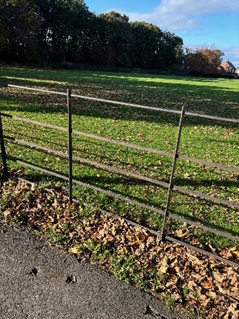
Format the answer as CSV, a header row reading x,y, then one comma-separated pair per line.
x,y
193,281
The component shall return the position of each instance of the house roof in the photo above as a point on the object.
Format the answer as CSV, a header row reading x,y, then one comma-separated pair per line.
x,y
228,64
231,65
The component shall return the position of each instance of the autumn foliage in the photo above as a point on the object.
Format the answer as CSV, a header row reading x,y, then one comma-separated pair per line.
x,y
203,61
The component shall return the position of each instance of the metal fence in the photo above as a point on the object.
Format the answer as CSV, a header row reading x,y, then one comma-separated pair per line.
x,y
170,186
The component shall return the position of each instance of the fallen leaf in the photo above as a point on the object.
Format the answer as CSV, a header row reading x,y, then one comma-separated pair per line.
x,y
212,294
113,231
6,213
150,241
218,277
179,233
164,266
206,284
74,250
235,253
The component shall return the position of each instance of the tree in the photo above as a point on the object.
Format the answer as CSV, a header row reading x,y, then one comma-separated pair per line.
x,y
154,49
147,45
46,32
203,61
114,35
63,29
18,26
173,49
43,30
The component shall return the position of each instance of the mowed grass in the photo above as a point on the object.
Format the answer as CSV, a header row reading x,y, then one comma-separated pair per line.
x,y
213,141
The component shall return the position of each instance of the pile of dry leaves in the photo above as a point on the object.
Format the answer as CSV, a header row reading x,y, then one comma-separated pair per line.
x,y
177,274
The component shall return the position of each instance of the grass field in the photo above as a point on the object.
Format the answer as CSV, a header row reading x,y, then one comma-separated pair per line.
x,y
209,140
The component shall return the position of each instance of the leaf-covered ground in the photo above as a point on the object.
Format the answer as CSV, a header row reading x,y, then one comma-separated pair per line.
x,y
205,287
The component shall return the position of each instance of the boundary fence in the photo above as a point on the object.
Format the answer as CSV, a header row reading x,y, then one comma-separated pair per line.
x,y
170,186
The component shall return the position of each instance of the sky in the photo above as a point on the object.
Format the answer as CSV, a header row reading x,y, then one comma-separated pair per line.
x,y
197,22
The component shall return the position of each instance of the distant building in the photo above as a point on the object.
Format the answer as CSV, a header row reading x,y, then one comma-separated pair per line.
x,y
228,68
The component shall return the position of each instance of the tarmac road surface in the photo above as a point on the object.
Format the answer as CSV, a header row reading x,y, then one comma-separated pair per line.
x,y
36,283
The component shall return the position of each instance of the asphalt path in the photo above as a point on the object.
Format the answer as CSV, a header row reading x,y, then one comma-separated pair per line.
x,y
37,281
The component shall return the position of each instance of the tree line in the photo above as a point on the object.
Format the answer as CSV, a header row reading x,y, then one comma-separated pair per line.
x,y
47,32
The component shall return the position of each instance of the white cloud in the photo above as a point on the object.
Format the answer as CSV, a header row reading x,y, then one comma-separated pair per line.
x,y
183,14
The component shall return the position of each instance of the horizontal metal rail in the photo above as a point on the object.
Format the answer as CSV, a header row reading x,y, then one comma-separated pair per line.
x,y
202,251
210,117
223,119
210,198
95,164
47,125
35,89
98,189
210,164
203,227
158,233
125,144
150,108
108,168
95,99
128,200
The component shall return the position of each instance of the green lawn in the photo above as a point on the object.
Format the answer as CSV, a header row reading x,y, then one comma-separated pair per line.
x,y
212,141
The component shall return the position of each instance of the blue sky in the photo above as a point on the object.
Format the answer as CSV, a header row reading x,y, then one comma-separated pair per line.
x,y
197,22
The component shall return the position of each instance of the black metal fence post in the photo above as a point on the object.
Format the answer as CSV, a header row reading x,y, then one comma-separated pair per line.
x,y
170,187
69,142
5,174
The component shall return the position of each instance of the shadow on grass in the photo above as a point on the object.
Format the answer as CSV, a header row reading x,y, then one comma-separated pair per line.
x,y
106,111
184,182
179,181
169,93
96,182
206,223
